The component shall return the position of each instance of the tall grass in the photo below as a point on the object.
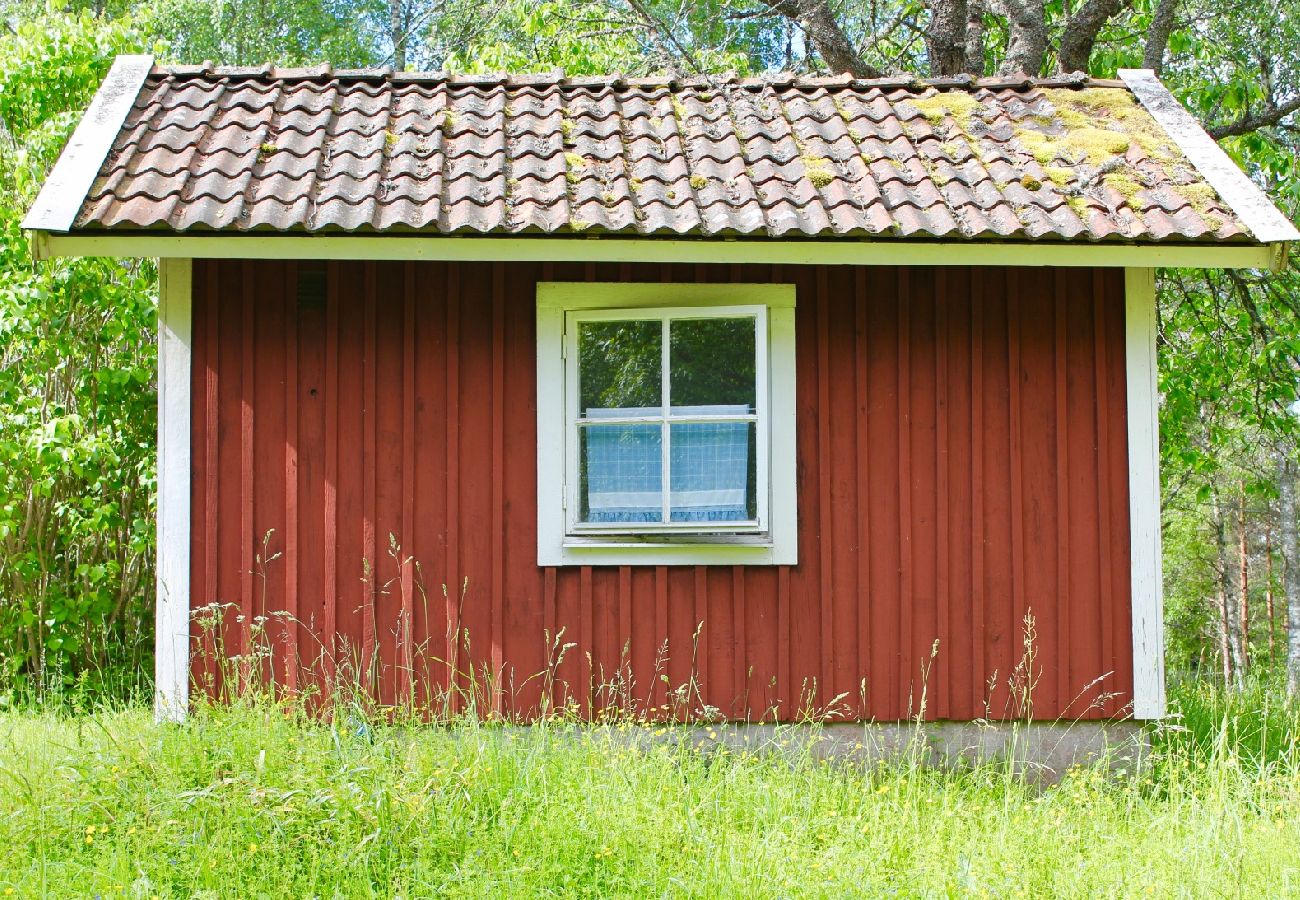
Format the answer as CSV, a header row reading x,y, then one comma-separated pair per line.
x,y
256,799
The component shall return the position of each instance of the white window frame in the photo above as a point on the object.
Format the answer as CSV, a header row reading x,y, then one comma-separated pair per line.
x,y
561,539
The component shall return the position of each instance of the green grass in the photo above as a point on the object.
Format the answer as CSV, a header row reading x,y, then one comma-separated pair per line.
x,y
250,801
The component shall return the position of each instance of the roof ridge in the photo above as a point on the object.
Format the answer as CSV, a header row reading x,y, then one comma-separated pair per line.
x,y
899,81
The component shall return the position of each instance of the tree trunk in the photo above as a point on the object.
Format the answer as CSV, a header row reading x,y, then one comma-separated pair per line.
x,y
1229,620
1243,582
398,34
818,22
1027,44
975,36
1291,570
1080,33
1162,25
1268,593
945,37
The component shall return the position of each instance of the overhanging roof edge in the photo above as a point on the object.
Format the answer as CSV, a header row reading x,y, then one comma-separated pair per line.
x,y
65,188
543,248
1265,221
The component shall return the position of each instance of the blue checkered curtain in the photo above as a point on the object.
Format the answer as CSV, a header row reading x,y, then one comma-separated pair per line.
x,y
624,470
710,472
709,461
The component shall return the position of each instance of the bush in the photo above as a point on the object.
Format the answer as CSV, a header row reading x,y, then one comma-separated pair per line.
x,y
77,413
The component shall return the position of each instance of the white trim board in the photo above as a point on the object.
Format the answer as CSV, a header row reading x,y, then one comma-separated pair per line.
x,y
70,180
1144,494
1264,220
172,614
557,248
555,546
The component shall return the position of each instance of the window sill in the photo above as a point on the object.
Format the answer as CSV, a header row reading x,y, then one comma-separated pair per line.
x,y
656,550
662,539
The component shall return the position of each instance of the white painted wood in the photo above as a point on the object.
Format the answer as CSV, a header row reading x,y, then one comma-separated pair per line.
x,y
1144,495
555,545
69,181
664,418
1265,221
172,616
553,248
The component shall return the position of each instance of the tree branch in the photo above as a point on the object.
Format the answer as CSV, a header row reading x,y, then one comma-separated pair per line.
x,y
1270,115
1162,25
662,36
817,20
1081,32
1027,45
975,36
945,37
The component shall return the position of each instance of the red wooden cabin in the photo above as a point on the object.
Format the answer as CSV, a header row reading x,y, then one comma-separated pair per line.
x,y
747,398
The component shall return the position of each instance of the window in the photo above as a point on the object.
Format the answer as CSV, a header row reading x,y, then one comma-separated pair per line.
x,y
665,424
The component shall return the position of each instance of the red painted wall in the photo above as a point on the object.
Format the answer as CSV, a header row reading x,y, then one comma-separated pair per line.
x,y
962,465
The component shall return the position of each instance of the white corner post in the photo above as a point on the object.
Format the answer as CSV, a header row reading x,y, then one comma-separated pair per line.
x,y
1144,494
172,617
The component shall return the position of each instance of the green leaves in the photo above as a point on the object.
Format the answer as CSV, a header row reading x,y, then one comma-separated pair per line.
x,y
76,429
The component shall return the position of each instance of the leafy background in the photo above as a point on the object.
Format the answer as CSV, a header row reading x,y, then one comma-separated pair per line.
x,y
77,356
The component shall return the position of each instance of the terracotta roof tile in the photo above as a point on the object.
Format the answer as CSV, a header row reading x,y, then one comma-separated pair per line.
x,y
311,149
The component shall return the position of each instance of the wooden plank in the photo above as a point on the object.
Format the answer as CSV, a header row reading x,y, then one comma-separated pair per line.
x,y
292,514
942,673
1144,494
409,543
455,586
825,530
212,463
247,540
1016,426
330,576
980,629
1065,681
175,540
369,465
902,677
862,480
499,413
802,252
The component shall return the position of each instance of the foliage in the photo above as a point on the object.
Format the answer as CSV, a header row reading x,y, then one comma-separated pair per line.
x,y
76,412
256,796
75,417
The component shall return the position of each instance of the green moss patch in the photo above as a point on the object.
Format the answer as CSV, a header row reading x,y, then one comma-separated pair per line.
x,y
575,165
961,106
819,170
1123,185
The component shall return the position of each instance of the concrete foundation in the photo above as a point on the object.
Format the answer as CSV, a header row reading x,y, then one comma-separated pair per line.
x,y
1039,751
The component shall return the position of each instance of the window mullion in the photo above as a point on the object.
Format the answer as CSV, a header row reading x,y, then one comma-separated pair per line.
x,y
665,435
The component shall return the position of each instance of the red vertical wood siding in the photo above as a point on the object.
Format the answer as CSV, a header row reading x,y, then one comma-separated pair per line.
x,y
364,476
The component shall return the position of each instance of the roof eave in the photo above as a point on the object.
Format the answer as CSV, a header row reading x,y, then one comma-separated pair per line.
x,y
64,191
1251,206
556,248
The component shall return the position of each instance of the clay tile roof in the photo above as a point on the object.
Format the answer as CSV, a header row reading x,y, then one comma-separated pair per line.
x,y
319,150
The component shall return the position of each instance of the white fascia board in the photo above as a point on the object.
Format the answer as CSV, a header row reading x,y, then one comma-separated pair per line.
x,y
554,248
1266,222
172,613
1144,494
65,189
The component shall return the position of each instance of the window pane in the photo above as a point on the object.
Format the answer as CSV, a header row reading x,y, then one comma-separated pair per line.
x,y
621,474
619,366
712,364
713,472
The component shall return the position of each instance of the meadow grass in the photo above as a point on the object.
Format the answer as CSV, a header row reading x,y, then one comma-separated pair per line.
x,y
250,800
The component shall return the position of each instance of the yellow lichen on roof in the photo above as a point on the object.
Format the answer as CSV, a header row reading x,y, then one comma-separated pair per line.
x,y
960,105
1094,125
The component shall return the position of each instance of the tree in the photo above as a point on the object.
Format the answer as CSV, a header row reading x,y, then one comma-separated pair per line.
x,y
76,415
